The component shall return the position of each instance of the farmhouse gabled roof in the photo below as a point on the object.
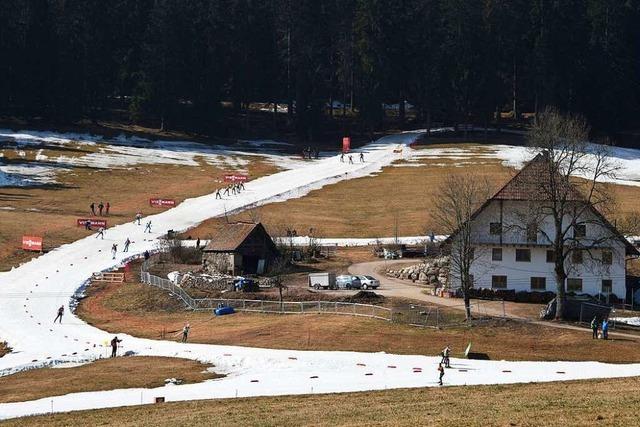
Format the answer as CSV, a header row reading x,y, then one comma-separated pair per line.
x,y
228,237
526,185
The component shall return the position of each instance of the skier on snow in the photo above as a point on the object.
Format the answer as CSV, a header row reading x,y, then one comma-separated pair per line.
x,y
441,371
185,332
114,251
126,245
100,233
361,157
147,227
138,218
60,313
114,346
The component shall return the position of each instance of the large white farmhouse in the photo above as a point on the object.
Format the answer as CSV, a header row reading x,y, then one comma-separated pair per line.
x,y
511,244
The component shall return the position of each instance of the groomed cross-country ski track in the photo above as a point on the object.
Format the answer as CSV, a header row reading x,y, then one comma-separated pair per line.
x,y
31,294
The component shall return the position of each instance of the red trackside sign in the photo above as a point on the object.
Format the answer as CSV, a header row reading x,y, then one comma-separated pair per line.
x,y
32,243
235,178
81,222
346,144
162,203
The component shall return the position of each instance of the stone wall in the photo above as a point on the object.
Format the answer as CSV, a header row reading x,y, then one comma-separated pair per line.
x,y
433,272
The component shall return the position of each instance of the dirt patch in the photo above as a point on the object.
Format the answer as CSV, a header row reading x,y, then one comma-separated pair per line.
x,y
4,349
105,374
573,403
508,340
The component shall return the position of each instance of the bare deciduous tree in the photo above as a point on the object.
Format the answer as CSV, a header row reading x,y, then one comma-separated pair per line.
x,y
569,192
458,198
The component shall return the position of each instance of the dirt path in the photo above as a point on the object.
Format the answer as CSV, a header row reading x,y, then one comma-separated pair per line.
x,y
392,287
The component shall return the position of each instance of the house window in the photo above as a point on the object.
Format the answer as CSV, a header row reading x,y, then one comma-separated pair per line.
x,y
498,282
538,283
496,254
523,255
607,257
574,285
576,256
532,233
579,230
551,256
495,228
607,286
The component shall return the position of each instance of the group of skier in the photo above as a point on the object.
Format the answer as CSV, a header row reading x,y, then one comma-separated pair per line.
x,y
350,158
231,189
603,327
310,153
444,363
101,208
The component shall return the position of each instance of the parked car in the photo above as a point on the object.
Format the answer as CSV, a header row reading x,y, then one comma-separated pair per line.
x,y
322,281
348,281
369,282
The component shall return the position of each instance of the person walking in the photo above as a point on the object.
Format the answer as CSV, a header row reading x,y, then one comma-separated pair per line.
x,y
605,329
185,332
114,250
126,245
445,357
198,243
93,208
441,373
100,208
361,157
594,328
147,227
138,218
60,313
114,346
100,233
107,207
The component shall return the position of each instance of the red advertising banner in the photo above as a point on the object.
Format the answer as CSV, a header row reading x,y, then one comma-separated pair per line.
x,y
81,222
346,144
235,178
161,203
32,243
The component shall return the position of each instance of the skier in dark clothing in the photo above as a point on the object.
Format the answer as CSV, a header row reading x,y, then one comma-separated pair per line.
x,y
87,225
60,313
147,255
441,371
100,208
114,346
241,185
93,208
147,227
218,195
361,157
138,218
185,332
342,157
594,328
126,245
226,191
198,243
107,206
100,233
350,159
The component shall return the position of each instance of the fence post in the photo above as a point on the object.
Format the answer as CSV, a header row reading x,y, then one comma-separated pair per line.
x,y
262,305
319,307
504,313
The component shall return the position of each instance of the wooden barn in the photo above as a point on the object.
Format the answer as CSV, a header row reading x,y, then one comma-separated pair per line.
x,y
239,248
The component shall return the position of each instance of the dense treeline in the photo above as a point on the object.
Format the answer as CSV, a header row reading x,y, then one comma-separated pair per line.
x,y
456,61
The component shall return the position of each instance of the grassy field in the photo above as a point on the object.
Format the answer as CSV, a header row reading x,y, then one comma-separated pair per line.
x,y
576,403
148,312
51,211
105,374
401,194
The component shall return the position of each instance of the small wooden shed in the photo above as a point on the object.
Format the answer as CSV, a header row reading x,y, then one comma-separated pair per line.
x,y
239,248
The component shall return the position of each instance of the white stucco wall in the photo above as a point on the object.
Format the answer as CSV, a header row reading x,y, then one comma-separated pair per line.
x,y
519,274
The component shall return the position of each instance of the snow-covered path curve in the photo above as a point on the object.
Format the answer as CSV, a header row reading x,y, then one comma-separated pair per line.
x,y
30,295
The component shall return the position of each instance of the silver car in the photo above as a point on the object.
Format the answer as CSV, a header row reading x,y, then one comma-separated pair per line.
x,y
348,281
369,282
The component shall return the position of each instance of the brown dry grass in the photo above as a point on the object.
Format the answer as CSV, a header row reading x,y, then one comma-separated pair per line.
x,y
369,206
52,211
4,349
133,308
576,403
105,374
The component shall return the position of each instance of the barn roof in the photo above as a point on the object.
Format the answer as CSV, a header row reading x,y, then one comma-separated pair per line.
x,y
228,237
